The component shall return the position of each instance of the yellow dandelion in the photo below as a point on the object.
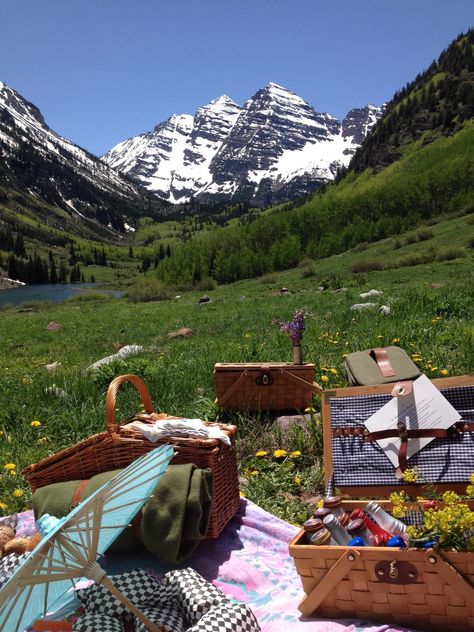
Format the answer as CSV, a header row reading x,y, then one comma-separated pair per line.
x,y
3,506
333,371
444,372
324,378
395,340
18,493
242,495
254,473
433,369
247,335
261,453
324,368
279,454
380,337
10,466
309,409
295,454
297,480
35,424
410,475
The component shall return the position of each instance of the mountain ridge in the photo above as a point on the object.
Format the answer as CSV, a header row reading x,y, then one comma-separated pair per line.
x,y
272,149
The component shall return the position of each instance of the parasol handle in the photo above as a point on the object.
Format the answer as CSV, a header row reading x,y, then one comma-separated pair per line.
x,y
110,400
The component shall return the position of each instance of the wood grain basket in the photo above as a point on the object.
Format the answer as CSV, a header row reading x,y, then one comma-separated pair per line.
x,y
426,589
118,446
268,386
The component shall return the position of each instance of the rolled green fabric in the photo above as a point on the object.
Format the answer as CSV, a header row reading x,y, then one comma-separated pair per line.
x,y
174,520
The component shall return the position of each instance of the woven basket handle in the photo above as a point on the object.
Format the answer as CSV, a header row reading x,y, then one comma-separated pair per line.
x,y
110,401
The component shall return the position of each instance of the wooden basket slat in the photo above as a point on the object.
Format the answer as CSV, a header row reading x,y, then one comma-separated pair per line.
x,y
117,447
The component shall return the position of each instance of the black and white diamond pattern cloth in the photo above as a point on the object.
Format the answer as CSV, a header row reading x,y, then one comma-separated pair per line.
x,y
169,617
9,521
95,622
140,587
227,618
356,462
194,594
9,564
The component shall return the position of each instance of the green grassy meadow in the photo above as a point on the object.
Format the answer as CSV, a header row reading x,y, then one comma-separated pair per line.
x,y
432,318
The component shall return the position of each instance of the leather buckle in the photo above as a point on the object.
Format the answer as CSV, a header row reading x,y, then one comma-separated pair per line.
x,y
264,379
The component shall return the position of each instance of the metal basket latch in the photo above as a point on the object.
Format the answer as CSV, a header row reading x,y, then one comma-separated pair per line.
x,y
396,572
264,379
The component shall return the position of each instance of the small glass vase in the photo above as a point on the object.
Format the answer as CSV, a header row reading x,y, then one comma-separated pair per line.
x,y
297,354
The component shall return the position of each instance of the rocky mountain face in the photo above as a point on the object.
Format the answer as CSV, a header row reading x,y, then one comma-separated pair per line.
x,y
36,160
275,148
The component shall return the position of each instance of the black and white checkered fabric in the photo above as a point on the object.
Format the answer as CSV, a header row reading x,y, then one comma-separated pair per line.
x,y
356,462
97,622
9,521
227,618
9,564
194,594
137,585
169,617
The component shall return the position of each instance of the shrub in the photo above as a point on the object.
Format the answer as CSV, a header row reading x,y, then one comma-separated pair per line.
x,y
450,253
366,265
268,279
146,290
206,284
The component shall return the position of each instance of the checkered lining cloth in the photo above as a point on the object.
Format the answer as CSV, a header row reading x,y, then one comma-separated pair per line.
x,y
97,622
356,462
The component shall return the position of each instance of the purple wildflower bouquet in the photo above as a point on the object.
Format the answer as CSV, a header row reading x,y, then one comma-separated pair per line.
x,y
293,329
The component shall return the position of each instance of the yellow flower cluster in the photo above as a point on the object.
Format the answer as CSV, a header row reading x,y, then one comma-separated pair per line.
x,y
398,504
470,488
280,454
261,453
35,424
410,475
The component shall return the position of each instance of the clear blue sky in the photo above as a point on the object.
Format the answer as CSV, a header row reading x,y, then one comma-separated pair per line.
x,y
104,70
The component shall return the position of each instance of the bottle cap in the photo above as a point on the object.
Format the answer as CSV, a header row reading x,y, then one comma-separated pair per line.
x,y
357,541
332,501
321,513
357,513
396,541
313,524
355,526
321,537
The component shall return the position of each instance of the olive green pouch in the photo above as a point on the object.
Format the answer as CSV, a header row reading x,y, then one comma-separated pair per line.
x,y
379,366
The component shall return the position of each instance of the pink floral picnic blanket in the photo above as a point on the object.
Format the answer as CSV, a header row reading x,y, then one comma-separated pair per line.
x,y
250,563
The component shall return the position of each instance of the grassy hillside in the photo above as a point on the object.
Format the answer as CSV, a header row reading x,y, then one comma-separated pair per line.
x,y
432,314
429,182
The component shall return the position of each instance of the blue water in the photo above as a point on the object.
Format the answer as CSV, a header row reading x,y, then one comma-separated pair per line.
x,y
56,293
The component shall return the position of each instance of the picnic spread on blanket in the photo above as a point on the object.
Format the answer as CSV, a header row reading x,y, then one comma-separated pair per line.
x,y
142,527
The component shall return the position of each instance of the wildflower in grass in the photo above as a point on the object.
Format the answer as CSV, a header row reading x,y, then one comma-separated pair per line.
x,y
325,369
410,475
1,433
444,372
293,329
309,409
324,378
295,454
247,335
333,371
242,495
397,499
9,466
261,453
42,440
254,473
433,369
3,506
380,337
18,493
297,480
280,454
35,424
395,340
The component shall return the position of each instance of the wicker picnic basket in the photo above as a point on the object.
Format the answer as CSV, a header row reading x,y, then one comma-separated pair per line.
x,y
119,445
264,386
426,589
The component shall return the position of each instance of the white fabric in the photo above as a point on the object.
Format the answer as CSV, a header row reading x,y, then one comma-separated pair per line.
x,y
179,428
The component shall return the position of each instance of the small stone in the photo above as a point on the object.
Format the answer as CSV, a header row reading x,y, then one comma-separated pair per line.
x,y
204,299
53,326
436,286
286,422
177,296
371,293
184,332
359,307
340,290
242,298
385,310
284,290
51,368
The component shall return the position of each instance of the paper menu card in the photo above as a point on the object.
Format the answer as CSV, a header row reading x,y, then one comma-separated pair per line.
x,y
424,408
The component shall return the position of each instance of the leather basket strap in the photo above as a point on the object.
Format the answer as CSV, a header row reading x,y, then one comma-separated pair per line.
x,y
299,381
380,356
222,400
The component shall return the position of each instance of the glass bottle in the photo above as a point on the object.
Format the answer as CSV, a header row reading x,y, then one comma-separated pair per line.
x,y
385,520
334,504
316,532
380,536
336,529
357,528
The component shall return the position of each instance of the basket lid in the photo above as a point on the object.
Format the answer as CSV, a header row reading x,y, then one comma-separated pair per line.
x,y
360,469
259,366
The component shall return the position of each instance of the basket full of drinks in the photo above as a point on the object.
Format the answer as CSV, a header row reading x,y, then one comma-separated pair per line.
x,y
406,556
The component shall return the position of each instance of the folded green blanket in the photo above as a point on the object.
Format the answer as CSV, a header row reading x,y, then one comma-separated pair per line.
x,y
174,519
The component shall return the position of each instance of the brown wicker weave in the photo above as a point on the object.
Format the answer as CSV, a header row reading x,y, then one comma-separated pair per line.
x,y
270,386
118,446
430,590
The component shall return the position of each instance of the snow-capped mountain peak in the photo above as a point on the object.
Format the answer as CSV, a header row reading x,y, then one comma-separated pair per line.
x,y
274,148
